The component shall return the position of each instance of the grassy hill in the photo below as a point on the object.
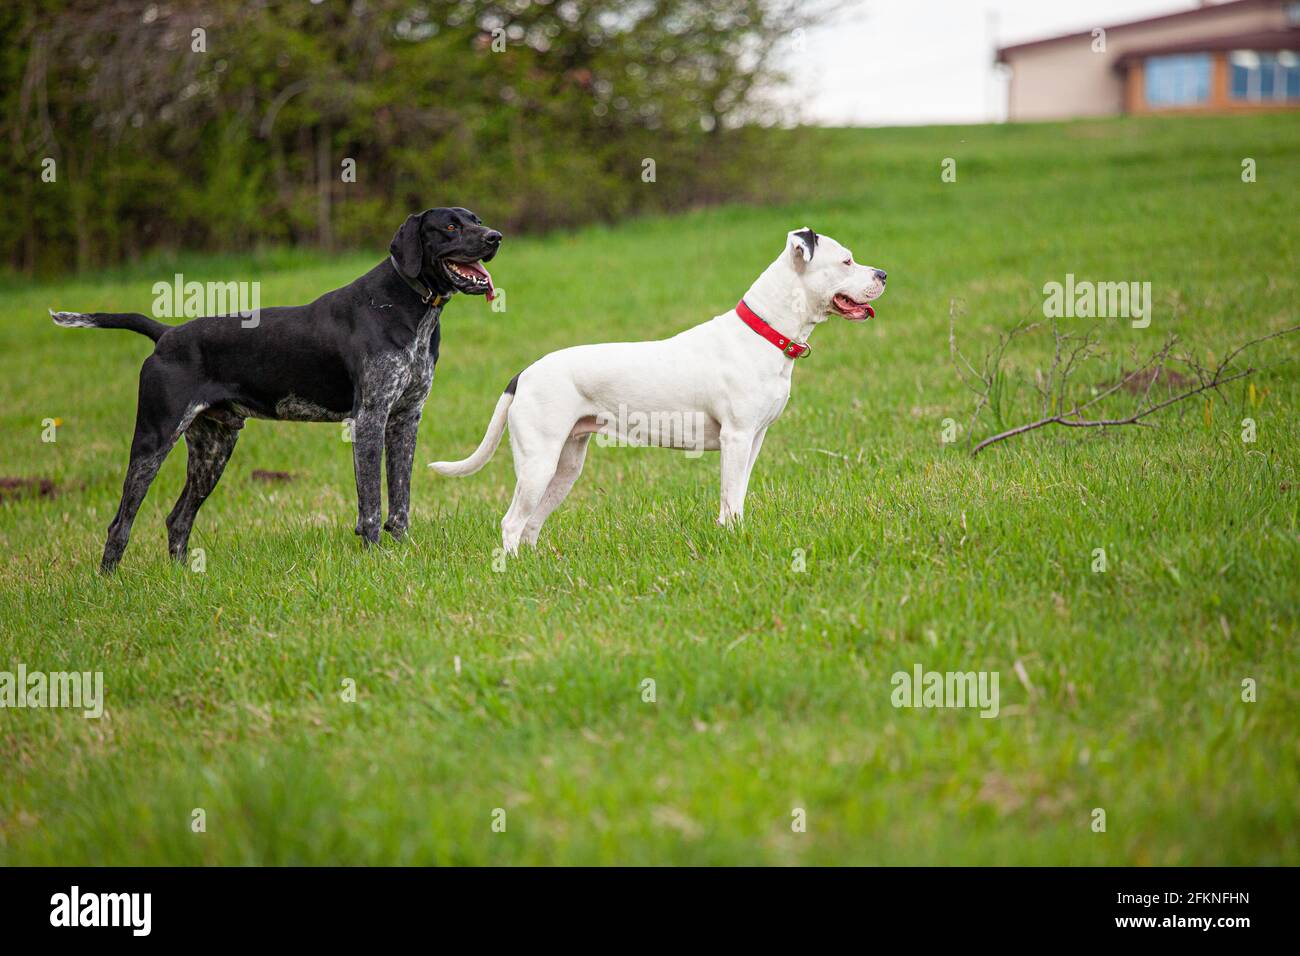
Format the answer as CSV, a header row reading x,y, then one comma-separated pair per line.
x,y
522,690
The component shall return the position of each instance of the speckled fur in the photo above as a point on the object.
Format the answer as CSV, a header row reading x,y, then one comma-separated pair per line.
x,y
366,351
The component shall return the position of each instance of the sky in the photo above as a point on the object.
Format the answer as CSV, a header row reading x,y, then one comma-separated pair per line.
x,y
903,62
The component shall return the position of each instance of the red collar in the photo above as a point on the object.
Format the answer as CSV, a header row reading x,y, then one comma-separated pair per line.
x,y
789,347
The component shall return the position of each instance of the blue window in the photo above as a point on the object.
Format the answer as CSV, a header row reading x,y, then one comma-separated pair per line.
x,y
1240,81
1182,80
1288,75
1265,77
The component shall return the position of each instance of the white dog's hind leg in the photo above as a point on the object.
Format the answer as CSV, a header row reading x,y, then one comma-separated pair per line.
x,y
531,481
736,447
536,444
572,456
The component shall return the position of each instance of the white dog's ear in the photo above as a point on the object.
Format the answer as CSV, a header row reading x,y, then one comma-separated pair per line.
x,y
801,244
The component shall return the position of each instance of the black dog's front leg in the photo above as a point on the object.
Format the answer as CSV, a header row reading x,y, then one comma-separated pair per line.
x,y
382,381
367,453
399,453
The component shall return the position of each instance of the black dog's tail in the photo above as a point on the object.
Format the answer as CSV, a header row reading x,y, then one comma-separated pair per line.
x,y
111,320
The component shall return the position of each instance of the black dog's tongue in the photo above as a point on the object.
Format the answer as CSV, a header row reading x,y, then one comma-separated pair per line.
x,y
479,269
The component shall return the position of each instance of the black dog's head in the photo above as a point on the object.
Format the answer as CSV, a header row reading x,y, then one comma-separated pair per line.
x,y
447,248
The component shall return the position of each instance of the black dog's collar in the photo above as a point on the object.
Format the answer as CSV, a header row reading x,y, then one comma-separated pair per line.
x,y
419,288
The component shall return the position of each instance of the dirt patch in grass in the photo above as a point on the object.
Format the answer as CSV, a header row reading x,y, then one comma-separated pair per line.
x,y
1168,379
272,477
12,489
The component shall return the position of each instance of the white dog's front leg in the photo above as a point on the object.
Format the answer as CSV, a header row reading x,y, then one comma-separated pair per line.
x,y
736,447
755,448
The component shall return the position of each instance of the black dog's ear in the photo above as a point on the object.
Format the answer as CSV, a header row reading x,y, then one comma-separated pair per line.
x,y
407,247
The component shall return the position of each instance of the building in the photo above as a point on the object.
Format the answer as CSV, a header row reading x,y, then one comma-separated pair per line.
x,y
1218,57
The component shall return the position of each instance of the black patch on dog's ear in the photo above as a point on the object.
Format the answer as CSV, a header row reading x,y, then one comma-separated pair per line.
x,y
407,247
810,240
801,243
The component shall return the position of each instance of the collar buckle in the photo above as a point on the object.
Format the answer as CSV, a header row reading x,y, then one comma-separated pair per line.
x,y
790,348
427,296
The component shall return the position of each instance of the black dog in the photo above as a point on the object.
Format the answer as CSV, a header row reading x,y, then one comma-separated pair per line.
x,y
364,352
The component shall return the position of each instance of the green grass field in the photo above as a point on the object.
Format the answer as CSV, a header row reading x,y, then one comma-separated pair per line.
x,y
522,690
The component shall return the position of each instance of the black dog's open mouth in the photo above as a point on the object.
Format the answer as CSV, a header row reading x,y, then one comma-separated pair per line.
x,y
470,277
851,308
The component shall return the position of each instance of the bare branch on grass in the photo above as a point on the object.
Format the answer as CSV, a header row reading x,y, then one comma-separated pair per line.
x,y
1071,350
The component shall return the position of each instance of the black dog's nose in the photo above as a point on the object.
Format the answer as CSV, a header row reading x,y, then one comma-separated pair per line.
x,y
493,237
881,275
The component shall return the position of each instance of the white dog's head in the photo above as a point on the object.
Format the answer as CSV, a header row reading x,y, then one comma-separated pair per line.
x,y
831,282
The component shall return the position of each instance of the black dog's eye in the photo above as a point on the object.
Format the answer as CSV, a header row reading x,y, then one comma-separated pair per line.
x,y
451,228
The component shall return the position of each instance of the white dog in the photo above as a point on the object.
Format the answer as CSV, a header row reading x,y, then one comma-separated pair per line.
x,y
715,387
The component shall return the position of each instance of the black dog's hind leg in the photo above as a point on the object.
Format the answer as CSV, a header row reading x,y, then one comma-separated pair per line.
x,y
399,452
160,420
211,443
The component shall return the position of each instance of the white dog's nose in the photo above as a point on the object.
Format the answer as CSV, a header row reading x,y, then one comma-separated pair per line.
x,y
880,274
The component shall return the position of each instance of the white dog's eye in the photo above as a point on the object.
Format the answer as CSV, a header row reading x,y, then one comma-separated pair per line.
x,y
848,261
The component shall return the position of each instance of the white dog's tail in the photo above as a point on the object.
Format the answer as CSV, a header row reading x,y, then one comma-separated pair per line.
x,y
488,446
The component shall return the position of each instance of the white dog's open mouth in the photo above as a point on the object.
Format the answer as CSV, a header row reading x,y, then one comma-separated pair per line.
x,y
471,277
851,308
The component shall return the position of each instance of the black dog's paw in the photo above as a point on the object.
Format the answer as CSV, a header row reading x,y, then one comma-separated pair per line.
x,y
398,531
368,530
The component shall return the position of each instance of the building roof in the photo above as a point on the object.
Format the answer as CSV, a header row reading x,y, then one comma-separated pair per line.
x,y
1164,18
1267,40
